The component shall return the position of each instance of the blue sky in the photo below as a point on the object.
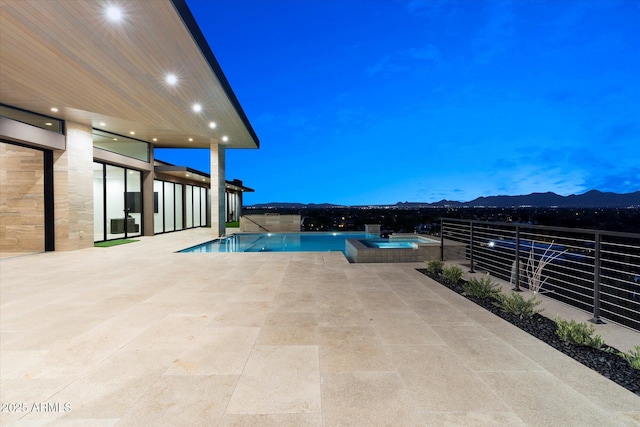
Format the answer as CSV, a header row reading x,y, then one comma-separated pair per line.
x,y
380,101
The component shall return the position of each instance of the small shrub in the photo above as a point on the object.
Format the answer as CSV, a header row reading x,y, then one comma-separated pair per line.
x,y
517,305
578,333
483,288
452,273
633,357
435,267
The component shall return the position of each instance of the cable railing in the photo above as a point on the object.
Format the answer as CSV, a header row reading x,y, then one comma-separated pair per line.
x,y
596,271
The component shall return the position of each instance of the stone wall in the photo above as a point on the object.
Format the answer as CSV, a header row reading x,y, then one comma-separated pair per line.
x,y
270,223
21,199
73,190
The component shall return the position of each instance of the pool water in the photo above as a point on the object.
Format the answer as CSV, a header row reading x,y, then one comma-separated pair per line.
x,y
279,242
399,242
390,244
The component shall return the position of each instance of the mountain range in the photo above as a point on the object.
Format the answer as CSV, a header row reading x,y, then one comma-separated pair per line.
x,y
590,199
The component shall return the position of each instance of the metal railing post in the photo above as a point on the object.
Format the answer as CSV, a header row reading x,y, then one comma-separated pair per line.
x,y
517,287
471,246
441,240
596,280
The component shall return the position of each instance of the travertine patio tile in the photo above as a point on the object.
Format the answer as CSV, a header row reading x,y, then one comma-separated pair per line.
x,y
242,314
480,350
304,302
109,399
351,349
288,335
473,419
273,339
216,351
27,391
343,316
540,400
402,327
367,399
591,384
173,331
278,379
272,420
375,300
412,292
164,403
439,381
250,293
438,312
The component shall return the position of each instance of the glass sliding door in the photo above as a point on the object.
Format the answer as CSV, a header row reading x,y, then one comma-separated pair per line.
x,y
196,207
158,206
99,223
189,205
117,202
169,207
115,190
133,201
203,206
179,207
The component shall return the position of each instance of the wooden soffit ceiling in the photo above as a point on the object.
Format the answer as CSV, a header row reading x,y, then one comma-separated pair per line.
x,y
68,55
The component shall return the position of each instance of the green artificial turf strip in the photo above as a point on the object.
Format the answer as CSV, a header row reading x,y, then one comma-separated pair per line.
x,y
110,243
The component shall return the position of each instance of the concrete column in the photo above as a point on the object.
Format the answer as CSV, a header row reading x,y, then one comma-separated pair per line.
x,y
217,190
147,201
73,189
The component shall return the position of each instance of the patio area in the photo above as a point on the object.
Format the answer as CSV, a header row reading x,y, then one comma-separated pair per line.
x,y
137,335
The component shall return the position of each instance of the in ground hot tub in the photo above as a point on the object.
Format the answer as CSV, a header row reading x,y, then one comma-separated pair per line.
x,y
397,248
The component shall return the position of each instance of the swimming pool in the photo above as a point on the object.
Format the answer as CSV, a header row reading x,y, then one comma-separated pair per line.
x,y
279,242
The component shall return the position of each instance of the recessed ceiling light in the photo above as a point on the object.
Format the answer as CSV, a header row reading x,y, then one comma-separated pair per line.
x,y
155,139
54,109
186,174
225,138
115,139
212,125
171,79
197,108
102,123
113,13
132,133
48,124
190,139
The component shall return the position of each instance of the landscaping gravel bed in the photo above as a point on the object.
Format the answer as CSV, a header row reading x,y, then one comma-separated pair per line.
x,y
605,362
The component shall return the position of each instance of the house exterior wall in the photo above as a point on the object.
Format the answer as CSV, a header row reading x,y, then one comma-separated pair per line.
x,y
218,190
73,189
21,199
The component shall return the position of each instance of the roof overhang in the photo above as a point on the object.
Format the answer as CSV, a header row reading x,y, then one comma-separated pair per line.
x,y
185,173
111,76
196,176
